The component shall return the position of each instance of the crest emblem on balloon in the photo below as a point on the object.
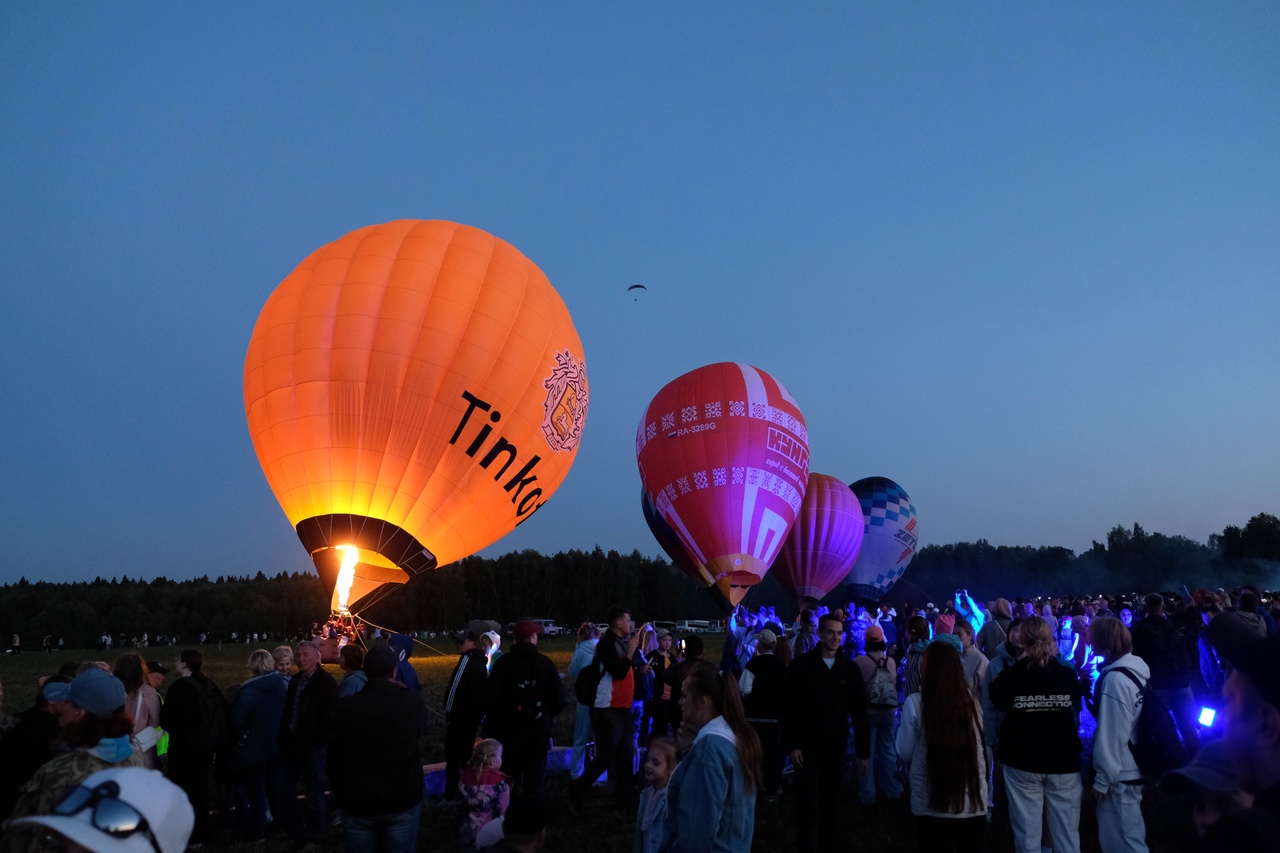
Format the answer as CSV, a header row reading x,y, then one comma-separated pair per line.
x,y
723,454
414,390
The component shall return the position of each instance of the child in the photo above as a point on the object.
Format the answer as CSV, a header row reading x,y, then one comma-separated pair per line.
x,y
658,765
484,789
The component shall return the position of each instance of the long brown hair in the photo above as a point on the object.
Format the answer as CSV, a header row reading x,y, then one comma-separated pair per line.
x,y
950,721
1038,643
702,679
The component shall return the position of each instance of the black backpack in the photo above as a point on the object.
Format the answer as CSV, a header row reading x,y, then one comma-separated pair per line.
x,y
587,683
215,723
1158,746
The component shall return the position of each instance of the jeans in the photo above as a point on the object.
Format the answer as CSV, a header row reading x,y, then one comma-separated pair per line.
x,y
581,737
884,759
307,764
1055,794
251,802
1120,825
388,833
1182,702
614,752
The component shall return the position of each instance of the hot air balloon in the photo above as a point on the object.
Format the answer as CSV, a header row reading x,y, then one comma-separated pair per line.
x,y
890,537
414,390
824,542
680,556
724,457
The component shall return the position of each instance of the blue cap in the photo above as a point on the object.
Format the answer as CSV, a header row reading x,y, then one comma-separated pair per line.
x,y
95,690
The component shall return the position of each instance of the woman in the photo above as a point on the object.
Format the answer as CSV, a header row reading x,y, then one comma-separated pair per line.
x,y
351,661
491,645
996,629
588,635
917,639
255,719
143,702
96,729
940,739
283,657
1117,782
711,802
1039,743
1067,640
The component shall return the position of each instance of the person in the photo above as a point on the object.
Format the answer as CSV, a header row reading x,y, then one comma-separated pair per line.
x,y
975,662
194,715
483,789
611,713
940,740
491,645
764,688
1252,693
255,720
523,697
886,618
967,609
651,819
117,810
27,745
1209,785
306,727
583,653
878,672
143,702
691,653
711,799
374,767
1117,783
402,645
657,709
825,697
1008,653
463,708
283,656
1040,742
1163,644
523,827
806,638
351,661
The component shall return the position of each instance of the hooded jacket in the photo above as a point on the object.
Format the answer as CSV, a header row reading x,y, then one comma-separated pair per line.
x,y
1116,706
255,719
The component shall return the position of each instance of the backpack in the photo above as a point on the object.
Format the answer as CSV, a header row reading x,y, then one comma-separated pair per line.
x,y
1157,747
215,726
882,690
587,683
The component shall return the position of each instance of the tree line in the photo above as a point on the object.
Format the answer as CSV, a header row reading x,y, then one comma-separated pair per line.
x,y
572,586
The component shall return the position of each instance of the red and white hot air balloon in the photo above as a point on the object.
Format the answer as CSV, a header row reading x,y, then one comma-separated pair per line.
x,y
724,456
824,542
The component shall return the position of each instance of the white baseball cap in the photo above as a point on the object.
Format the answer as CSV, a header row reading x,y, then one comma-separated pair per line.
x,y
122,810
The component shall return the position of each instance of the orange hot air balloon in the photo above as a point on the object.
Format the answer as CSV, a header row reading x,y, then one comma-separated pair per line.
x,y
414,391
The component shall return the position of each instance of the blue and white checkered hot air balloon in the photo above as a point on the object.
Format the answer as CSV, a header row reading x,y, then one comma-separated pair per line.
x,y
889,540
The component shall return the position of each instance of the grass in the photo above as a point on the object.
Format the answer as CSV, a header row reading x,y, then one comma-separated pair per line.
x,y
600,828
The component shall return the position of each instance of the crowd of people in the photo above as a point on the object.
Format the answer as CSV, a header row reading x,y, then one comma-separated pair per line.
x,y
964,712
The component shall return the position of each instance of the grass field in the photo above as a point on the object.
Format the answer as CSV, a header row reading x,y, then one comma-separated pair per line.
x,y
883,827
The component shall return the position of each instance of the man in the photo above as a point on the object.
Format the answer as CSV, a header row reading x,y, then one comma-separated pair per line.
x,y
305,731
611,713
195,716
764,687
886,621
1165,648
464,707
375,767
523,697
1252,693
825,696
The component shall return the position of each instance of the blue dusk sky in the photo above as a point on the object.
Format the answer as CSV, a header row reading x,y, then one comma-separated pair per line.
x,y
1022,258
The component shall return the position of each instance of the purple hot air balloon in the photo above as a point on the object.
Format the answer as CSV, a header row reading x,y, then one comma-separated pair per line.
x,y
824,543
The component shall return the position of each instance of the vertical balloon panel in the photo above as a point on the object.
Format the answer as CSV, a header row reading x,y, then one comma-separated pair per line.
x,y
723,454
415,390
890,537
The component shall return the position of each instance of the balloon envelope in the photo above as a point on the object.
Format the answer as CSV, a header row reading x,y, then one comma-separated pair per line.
x,y
890,537
723,454
414,389
680,556
825,540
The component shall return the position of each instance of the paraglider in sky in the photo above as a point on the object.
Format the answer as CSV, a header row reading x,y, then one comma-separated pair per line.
x,y
824,542
635,290
724,456
889,540
414,390
680,556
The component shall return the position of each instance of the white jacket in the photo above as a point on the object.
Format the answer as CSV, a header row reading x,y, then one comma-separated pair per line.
x,y
911,748
1116,708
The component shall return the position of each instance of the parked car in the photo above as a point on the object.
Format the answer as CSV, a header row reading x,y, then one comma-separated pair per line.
x,y
549,626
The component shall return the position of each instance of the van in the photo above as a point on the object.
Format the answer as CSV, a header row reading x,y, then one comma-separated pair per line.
x,y
549,626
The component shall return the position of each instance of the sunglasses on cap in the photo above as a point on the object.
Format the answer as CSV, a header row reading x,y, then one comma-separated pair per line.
x,y
110,814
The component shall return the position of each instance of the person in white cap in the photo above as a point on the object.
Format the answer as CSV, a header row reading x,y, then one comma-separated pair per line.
x,y
121,810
